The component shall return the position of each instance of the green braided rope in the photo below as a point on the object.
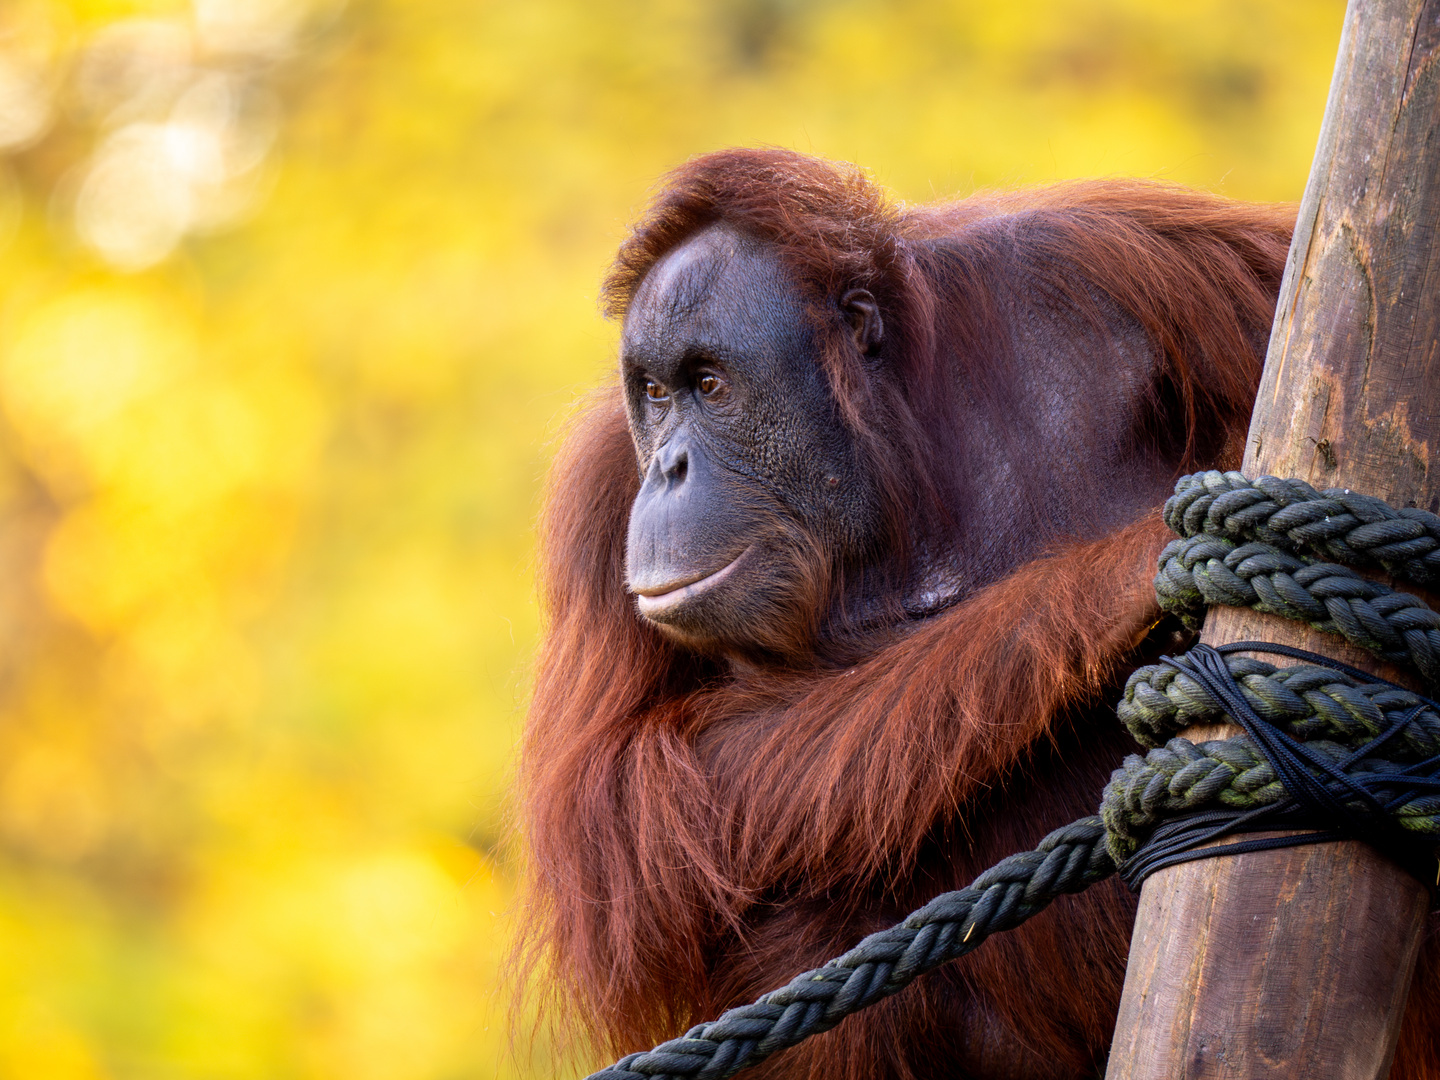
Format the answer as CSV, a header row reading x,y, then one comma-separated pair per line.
x,y
1337,525
1182,777
1068,860
1243,544
1206,569
1309,702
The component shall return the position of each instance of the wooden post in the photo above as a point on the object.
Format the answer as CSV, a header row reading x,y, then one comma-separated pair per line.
x,y
1297,962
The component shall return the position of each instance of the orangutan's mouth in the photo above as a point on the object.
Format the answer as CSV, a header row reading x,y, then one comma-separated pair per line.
x,y
655,603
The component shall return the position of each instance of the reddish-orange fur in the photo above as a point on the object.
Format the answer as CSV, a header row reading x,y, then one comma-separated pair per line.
x,y
699,834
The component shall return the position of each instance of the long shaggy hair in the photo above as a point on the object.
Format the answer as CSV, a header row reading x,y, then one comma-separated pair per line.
x,y
698,834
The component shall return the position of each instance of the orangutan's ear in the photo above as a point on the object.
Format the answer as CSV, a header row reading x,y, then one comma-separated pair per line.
x,y
863,314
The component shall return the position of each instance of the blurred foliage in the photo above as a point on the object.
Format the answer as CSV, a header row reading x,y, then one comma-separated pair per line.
x,y
292,297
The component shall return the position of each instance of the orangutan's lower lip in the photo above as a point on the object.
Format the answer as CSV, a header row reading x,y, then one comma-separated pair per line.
x,y
653,603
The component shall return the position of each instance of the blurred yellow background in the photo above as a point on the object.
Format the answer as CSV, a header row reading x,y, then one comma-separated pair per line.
x,y
293,299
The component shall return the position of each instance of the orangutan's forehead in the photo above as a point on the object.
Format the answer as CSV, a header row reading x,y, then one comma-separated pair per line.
x,y
689,275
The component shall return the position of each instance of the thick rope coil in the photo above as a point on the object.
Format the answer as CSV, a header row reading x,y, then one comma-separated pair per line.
x,y
1068,860
1337,525
1308,701
1182,777
1206,569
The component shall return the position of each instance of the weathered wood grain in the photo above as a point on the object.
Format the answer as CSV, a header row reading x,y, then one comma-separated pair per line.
x,y
1258,965
1297,962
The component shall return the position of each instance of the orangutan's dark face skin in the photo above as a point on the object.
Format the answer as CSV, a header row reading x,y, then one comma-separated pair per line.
x,y
751,483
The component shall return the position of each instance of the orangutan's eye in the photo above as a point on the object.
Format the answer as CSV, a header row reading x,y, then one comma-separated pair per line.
x,y
654,391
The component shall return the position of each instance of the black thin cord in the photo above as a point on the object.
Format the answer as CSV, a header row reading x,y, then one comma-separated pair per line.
x,y
1325,800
